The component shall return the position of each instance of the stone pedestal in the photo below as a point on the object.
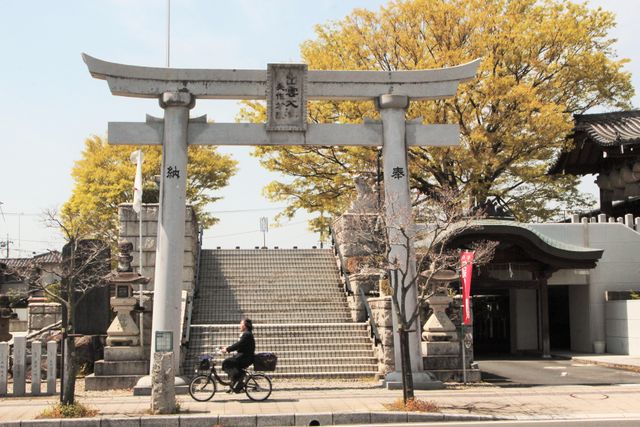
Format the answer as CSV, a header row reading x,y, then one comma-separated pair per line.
x,y
441,352
123,330
368,282
121,367
439,327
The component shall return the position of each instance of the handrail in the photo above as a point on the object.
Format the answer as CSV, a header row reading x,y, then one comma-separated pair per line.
x,y
374,328
198,259
343,271
186,333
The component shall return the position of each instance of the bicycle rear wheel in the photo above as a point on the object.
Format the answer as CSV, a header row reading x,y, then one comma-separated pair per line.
x,y
202,388
258,387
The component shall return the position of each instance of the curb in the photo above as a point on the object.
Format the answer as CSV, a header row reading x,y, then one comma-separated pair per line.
x,y
613,365
299,419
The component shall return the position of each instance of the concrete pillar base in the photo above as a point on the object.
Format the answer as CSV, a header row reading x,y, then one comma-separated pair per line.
x,y
143,387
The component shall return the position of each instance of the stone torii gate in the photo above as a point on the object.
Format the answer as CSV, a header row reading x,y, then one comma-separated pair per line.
x,y
286,87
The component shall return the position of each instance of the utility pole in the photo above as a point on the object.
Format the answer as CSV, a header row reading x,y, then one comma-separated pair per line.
x,y
6,244
264,227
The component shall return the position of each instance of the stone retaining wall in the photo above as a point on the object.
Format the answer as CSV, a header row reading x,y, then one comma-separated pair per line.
x,y
130,231
381,312
43,314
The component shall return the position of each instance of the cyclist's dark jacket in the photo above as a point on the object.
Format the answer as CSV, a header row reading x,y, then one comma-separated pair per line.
x,y
246,348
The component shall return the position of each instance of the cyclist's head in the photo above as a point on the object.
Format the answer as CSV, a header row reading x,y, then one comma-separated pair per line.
x,y
248,324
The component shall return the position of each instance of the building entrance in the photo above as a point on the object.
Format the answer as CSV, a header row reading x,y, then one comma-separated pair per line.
x,y
559,327
491,328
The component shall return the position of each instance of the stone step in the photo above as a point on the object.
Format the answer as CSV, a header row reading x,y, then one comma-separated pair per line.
x,y
310,368
271,318
111,382
266,311
282,329
233,320
226,292
270,341
456,375
283,304
286,361
261,281
129,367
243,297
278,305
198,349
299,309
284,334
364,375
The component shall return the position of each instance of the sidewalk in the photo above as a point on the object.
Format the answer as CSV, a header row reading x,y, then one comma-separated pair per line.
x,y
350,406
355,403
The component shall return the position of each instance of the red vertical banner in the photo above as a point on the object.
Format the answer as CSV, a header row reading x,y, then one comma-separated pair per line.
x,y
466,270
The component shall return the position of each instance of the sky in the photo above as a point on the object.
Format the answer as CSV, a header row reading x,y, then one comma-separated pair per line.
x,y
51,104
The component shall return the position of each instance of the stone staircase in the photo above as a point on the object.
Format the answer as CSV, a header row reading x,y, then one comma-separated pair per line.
x,y
297,305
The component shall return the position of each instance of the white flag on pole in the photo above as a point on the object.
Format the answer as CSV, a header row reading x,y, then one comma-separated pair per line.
x,y
136,157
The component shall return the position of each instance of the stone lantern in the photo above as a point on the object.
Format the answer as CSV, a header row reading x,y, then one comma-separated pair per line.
x,y
123,331
441,354
439,327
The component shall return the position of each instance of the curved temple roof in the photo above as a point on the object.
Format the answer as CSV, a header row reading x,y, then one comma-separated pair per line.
x,y
150,82
611,128
593,135
538,245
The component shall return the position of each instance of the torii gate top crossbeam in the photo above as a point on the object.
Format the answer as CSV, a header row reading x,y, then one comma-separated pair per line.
x,y
150,82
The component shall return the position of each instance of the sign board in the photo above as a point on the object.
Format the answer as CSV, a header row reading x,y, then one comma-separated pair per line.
x,y
286,97
164,341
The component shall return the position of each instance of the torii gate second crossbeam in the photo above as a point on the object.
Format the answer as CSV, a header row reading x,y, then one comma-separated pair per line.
x,y
287,88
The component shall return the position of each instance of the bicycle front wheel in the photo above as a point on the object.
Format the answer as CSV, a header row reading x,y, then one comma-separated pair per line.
x,y
202,388
258,387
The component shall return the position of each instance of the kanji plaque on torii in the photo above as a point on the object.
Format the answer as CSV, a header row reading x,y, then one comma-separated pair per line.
x,y
287,89
286,97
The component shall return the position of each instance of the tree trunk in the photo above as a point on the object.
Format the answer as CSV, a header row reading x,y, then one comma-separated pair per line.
x,y
68,390
69,372
407,375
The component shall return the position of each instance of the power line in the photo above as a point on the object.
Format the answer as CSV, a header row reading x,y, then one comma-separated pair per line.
x,y
253,231
22,214
247,210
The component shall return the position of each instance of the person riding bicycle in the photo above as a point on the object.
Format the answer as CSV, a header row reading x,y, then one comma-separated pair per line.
x,y
245,349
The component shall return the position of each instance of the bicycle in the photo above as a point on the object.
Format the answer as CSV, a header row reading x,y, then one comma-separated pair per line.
x,y
203,387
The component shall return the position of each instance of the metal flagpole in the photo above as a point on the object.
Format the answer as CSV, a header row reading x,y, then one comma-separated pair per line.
x,y
168,33
141,301
462,341
137,158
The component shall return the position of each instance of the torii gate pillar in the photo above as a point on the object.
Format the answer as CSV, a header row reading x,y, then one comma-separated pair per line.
x,y
398,218
171,217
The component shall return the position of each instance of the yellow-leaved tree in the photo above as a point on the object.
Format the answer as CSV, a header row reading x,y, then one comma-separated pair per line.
x,y
542,61
104,179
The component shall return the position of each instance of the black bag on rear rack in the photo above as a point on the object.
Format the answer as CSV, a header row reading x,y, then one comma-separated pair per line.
x,y
265,361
